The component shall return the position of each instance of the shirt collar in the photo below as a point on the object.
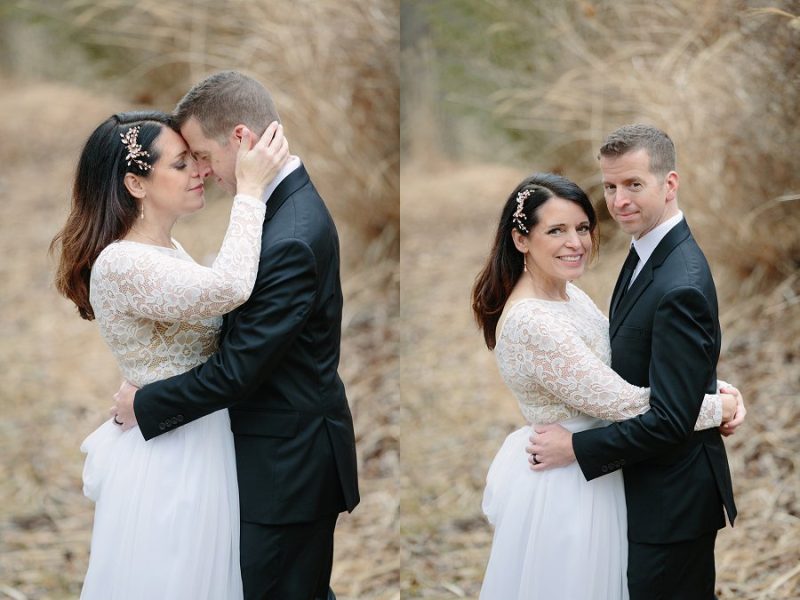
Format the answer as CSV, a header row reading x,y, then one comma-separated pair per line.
x,y
646,245
292,164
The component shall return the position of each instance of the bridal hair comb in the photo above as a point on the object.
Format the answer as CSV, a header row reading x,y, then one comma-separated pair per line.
x,y
519,214
135,152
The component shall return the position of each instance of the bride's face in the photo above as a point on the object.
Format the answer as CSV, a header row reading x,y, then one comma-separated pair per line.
x,y
175,187
560,244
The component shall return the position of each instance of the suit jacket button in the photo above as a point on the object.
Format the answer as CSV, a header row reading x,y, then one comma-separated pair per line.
x,y
604,468
162,426
174,420
180,418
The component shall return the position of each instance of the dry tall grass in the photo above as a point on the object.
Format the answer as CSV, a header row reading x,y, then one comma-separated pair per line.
x,y
723,78
332,68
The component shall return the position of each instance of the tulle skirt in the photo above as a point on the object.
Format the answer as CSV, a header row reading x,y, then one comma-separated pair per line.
x,y
556,536
166,522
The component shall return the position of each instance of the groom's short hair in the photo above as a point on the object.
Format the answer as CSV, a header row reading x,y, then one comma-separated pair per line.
x,y
224,100
629,138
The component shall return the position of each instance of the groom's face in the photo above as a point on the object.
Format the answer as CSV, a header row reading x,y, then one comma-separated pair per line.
x,y
213,158
637,199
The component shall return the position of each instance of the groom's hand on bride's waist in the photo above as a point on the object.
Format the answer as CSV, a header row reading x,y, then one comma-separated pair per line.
x,y
550,447
122,411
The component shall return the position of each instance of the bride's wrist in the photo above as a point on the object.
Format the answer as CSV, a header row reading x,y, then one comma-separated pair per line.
x,y
250,190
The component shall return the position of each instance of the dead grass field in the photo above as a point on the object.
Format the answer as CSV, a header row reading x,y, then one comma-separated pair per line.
x,y
456,411
57,375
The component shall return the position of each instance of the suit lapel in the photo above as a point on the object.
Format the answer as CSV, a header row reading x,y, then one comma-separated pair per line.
x,y
291,183
674,237
616,292
639,285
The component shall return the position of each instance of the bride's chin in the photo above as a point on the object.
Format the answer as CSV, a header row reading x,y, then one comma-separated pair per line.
x,y
575,274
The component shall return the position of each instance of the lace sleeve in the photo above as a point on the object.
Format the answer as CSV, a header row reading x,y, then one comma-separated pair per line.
x,y
711,409
139,280
710,412
551,353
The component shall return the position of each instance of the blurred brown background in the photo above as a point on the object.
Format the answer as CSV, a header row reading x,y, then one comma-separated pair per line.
x,y
333,68
493,91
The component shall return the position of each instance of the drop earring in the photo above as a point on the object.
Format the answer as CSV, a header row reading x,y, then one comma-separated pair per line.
x,y
141,214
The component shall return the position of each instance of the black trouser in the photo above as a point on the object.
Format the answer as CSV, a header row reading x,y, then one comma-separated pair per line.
x,y
681,571
287,562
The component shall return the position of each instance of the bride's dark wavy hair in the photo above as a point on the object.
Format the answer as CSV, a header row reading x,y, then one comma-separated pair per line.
x,y
102,208
504,265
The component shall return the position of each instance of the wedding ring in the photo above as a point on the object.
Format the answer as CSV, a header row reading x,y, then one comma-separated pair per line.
x,y
535,460
115,420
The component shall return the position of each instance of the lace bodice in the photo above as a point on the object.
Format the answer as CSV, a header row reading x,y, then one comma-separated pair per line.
x,y
556,357
159,311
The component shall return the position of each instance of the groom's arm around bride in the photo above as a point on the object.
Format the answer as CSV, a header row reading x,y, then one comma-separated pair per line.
x,y
664,334
276,368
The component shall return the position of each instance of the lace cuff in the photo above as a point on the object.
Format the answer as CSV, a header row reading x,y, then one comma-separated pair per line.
x,y
710,413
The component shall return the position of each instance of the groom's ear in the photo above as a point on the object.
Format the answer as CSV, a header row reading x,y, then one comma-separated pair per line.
x,y
238,133
134,185
672,181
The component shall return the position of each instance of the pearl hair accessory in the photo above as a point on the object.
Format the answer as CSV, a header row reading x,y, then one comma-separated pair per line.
x,y
135,152
518,215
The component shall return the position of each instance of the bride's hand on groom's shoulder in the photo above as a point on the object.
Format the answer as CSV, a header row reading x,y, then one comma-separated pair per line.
x,y
730,425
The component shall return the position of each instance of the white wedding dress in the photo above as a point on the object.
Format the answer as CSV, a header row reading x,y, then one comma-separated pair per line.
x,y
557,536
166,523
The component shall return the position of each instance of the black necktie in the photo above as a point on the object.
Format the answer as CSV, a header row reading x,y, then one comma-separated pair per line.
x,y
627,273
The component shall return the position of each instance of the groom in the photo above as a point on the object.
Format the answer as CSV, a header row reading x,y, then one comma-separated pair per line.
x,y
665,334
276,368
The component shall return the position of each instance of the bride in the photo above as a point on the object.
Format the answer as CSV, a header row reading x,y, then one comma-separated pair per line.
x,y
555,534
166,519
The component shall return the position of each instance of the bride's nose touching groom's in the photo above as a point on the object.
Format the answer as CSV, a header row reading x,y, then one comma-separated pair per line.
x,y
230,452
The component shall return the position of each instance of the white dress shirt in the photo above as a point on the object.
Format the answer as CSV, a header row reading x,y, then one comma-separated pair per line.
x,y
291,165
646,244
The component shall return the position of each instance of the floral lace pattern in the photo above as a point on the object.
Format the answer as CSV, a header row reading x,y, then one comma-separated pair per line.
x,y
159,311
556,356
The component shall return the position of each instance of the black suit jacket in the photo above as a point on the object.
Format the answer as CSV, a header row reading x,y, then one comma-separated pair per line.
x,y
276,369
665,334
